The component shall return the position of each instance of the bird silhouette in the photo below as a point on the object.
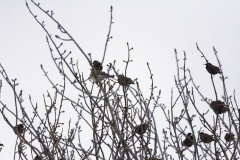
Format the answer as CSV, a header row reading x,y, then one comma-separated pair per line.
x,y
141,129
212,69
229,137
205,138
99,75
218,107
188,142
124,81
18,129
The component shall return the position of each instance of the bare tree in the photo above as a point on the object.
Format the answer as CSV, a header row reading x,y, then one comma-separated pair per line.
x,y
119,118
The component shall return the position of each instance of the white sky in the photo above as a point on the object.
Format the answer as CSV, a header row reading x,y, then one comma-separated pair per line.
x,y
153,29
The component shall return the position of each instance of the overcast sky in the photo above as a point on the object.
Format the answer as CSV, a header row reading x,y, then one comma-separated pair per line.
x,y
152,28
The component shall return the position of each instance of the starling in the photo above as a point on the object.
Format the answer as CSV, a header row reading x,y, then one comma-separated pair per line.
x,y
97,65
99,75
141,129
18,129
188,142
205,138
124,81
218,107
229,137
212,69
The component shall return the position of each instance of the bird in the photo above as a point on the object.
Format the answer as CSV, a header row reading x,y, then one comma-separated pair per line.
x,y
218,107
205,138
97,76
18,129
229,137
141,129
212,69
124,81
97,65
188,142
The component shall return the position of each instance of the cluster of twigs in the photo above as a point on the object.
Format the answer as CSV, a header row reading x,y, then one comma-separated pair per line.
x,y
119,119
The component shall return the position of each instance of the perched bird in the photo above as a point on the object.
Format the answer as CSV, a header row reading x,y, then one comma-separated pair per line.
x,y
205,138
218,107
188,142
212,69
18,129
97,65
229,137
141,129
97,76
124,81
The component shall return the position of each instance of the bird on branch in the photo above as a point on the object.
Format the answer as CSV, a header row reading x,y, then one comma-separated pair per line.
x,y
212,69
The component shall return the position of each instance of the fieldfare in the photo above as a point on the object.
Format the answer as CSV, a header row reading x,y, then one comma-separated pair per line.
x,y
99,75
124,81
218,107
205,138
